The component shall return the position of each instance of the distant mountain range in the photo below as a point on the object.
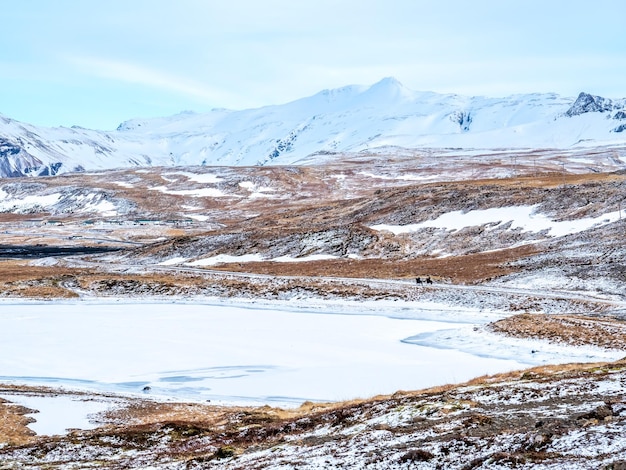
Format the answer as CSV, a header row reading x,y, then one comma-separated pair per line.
x,y
349,119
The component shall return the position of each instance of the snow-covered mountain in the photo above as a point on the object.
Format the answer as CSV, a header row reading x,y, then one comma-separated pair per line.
x,y
348,119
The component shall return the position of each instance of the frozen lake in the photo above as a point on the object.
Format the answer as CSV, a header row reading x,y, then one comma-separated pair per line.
x,y
279,355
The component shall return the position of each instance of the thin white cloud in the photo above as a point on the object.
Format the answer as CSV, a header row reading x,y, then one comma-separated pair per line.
x,y
140,75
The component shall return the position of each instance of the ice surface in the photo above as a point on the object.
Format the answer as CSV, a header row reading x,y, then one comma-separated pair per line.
x,y
270,353
59,413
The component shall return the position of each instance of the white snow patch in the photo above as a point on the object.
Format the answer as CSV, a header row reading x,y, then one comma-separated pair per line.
x,y
9,203
199,217
219,259
256,191
168,179
123,184
258,194
520,217
200,192
198,178
172,261
105,208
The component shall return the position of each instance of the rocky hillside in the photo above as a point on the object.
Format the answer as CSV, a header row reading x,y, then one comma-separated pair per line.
x,y
522,222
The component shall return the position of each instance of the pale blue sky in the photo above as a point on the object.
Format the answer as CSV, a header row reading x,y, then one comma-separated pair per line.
x,y
97,63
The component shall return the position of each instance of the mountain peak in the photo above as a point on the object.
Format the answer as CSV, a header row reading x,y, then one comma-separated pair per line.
x,y
586,103
388,82
348,119
389,88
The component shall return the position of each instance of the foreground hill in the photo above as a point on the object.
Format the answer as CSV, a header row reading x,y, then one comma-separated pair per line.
x,y
559,417
349,119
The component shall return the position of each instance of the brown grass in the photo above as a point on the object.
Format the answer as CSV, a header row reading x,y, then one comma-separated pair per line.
x,y
569,329
13,428
547,180
470,268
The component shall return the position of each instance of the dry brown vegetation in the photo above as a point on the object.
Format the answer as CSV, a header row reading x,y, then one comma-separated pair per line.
x,y
13,424
311,211
464,269
576,330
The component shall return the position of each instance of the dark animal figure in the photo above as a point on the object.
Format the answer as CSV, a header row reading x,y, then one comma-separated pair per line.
x,y
418,280
428,280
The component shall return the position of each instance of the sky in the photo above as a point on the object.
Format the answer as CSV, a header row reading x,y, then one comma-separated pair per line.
x,y
98,63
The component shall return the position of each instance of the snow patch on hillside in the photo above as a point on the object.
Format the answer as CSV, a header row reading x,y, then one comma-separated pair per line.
x,y
25,204
200,192
524,218
256,191
206,178
220,259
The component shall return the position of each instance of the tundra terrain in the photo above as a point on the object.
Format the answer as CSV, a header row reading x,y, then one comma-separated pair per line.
x,y
536,236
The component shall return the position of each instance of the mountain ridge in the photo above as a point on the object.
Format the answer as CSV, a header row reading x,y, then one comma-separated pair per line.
x,y
347,119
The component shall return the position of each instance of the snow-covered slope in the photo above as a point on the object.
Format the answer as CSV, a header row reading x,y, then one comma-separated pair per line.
x,y
348,119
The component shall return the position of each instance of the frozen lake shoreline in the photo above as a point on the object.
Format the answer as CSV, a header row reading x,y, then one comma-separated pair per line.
x,y
248,352
269,353
222,352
